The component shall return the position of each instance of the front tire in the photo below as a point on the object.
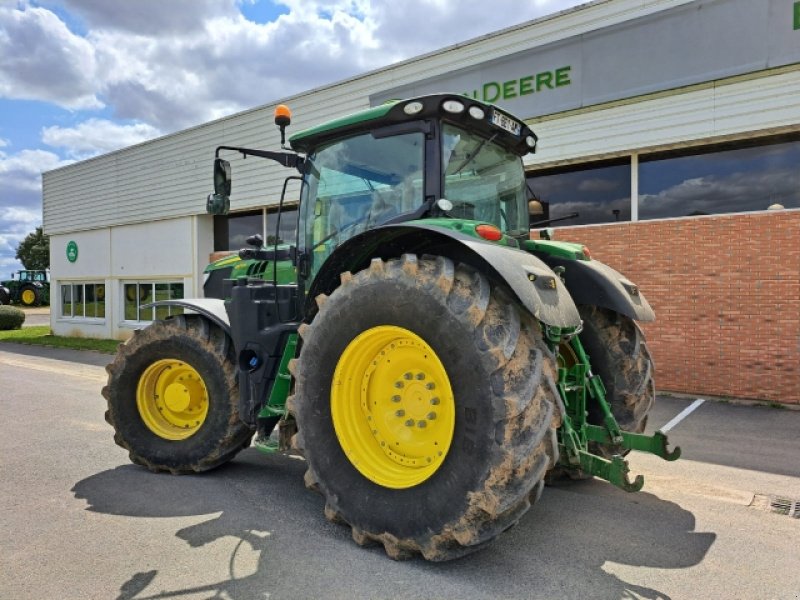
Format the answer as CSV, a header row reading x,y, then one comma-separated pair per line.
x,y
173,397
420,337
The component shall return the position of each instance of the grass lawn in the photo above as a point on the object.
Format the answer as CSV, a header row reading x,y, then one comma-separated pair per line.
x,y
39,335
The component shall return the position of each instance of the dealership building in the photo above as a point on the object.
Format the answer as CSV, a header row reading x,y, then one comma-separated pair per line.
x,y
672,127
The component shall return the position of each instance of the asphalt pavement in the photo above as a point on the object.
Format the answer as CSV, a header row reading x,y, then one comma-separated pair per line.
x,y
78,521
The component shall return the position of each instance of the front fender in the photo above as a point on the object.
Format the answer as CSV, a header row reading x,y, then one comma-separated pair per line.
x,y
212,308
534,284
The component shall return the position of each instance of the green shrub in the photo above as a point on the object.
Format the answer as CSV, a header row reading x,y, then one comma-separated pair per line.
x,y
11,318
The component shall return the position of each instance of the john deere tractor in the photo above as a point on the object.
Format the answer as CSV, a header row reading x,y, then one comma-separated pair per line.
x,y
29,288
431,362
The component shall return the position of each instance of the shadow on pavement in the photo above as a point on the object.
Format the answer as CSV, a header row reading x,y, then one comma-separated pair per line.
x,y
756,438
558,550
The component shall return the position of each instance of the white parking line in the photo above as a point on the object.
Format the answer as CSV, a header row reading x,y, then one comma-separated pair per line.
x,y
682,415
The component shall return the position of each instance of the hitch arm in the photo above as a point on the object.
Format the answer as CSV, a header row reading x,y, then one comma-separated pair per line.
x,y
655,444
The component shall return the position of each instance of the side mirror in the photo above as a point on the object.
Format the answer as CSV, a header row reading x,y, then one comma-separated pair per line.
x,y
219,202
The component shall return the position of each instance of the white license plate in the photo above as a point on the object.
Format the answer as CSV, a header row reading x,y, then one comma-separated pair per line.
x,y
503,122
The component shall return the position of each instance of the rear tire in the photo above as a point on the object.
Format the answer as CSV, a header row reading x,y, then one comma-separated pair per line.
x,y
148,409
29,295
504,399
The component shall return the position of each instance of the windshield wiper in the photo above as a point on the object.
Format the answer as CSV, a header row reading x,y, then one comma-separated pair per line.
x,y
471,157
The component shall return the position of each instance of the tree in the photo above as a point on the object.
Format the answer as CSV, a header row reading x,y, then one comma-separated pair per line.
x,y
34,250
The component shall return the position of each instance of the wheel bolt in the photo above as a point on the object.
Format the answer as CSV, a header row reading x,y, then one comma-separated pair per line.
x,y
410,423
422,424
400,413
434,401
395,398
430,385
420,376
408,376
398,384
431,416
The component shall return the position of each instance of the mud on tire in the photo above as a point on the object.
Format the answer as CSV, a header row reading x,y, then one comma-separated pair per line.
x,y
503,382
206,348
619,355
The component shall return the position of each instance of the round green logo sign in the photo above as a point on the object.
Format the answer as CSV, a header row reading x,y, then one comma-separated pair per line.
x,y
72,251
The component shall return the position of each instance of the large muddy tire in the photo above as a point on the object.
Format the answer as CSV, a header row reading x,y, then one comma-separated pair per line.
x,y
618,353
173,397
30,295
430,360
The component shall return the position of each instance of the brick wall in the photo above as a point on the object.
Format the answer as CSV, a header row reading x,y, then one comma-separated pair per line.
x,y
726,291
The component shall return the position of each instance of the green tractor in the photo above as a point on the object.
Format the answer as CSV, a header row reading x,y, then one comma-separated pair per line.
x,y
431,362
28,287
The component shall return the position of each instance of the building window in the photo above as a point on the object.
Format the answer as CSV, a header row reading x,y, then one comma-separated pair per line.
x,y
137,294
745,176
83,300
231,231
288,233
599,193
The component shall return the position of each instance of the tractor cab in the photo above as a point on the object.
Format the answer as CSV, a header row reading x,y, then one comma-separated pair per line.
x,y
436,157
443,157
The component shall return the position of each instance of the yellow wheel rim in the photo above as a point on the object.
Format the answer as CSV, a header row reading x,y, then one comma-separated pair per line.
x,y
172,399
28,297
392,407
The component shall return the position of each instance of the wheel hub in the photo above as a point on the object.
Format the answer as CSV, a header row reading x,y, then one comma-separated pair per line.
x,y
172,399
392,407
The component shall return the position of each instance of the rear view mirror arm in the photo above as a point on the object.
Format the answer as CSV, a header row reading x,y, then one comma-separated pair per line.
x,y
287,159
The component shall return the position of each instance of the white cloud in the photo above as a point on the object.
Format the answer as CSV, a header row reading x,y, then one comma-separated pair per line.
x,y
15,223
739,191
4,143
97,136
22,171
41,59
178,63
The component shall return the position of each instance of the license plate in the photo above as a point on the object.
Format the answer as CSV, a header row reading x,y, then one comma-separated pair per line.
x,y
504,122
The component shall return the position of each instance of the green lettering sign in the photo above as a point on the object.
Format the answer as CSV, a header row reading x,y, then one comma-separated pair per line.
x,y
72,251
544,80
562,76
509,89
796,16
524,86
491,91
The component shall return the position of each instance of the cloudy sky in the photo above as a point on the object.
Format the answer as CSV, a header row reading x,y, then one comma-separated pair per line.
x,y
83,77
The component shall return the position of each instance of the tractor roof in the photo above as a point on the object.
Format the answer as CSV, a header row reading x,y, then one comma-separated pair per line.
x,y
395,112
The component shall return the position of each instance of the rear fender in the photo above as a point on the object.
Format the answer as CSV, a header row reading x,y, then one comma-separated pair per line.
x,y
535,285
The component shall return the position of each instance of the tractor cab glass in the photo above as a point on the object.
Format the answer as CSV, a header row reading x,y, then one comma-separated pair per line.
x,y
359,183
483,181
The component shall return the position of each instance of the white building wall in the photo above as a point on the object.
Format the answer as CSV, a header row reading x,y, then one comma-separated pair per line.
x,y
160,251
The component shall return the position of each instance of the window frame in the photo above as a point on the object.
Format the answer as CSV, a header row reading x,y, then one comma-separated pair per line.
x,y
72,284
171,310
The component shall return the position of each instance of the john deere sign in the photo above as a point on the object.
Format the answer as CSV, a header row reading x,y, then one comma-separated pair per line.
x,y
695,42
495,91
72,251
